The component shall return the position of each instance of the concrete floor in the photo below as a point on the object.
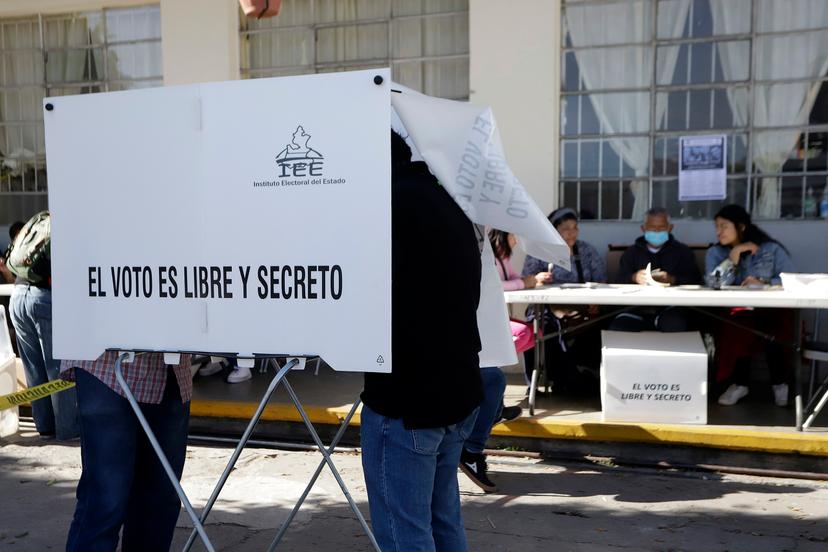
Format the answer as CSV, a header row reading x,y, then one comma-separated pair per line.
x,y
541,506
338,389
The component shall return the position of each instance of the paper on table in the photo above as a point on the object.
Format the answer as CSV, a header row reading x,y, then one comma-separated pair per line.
x,y
648,277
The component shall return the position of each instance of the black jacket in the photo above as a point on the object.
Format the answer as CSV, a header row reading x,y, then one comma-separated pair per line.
x,y
435,378
675,258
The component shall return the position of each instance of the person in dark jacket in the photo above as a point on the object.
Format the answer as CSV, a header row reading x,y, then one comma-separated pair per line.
x,y
415,420
671,262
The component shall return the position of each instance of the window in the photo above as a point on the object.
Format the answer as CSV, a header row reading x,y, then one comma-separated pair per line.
x,y
425,42
638,74
42,56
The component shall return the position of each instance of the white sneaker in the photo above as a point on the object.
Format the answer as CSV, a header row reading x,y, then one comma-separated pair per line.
x,y
210,369
780,394
734,394
239,375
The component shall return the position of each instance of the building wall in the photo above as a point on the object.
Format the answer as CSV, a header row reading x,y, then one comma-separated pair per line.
x,y
19,8
200,40
514,68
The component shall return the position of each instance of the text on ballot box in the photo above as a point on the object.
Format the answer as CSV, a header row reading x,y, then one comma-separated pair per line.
x,y
653,377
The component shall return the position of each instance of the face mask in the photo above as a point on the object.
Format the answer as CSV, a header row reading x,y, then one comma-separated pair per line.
x,y
656,239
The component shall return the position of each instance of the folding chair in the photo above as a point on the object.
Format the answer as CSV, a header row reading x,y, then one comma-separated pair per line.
x,y
816,352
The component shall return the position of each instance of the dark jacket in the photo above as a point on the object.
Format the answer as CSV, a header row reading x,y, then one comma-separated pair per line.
x,y
435,378
675,258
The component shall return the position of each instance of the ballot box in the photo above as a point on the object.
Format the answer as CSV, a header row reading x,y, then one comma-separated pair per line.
x,y
653,377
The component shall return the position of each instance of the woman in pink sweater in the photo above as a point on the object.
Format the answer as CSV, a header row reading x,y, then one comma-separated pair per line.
x,y
503,243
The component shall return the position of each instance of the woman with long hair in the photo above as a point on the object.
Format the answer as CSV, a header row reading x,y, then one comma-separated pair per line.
x,y
503,243
746,255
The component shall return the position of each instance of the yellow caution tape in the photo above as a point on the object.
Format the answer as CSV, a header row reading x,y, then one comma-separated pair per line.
x,y
37,392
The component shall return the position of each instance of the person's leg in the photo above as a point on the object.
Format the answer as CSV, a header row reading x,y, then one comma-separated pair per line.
x,y
628,322
494,386
399,467
671,319
446,519
34,364
64,404
779,323
108,430
741,371
154,505
237,374
528,365
733,343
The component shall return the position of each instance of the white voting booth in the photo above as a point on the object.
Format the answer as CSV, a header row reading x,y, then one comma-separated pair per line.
x,y
252,218
653,377
248,218
9,417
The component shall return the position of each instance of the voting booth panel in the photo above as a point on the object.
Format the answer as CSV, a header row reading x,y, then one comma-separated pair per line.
x,y
653,377
224,217
9,417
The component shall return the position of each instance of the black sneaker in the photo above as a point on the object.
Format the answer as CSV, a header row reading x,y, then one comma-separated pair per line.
x,y
474,466
509,413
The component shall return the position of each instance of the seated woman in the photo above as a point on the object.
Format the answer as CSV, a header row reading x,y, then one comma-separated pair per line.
x,y
583,350
746,256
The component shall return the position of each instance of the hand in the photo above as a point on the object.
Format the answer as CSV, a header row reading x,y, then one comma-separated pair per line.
x,y
752,281
736,252
640,277
543,278
529,282
663,277
5,274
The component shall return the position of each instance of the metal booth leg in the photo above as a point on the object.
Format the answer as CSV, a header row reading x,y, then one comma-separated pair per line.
x,y
199,528
327,460
280,375
537,325
797,366
339,434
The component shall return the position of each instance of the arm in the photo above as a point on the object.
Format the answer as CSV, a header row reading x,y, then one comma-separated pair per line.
x,y
768,262
688,272
5,274
511,280
532,266
713,258
597,270
626,270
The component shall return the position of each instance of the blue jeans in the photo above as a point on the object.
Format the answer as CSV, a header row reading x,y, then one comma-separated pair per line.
x,y
411,479
122,482
494,386
31,315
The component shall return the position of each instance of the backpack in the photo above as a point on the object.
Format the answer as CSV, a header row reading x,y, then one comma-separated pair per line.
x,y
30,256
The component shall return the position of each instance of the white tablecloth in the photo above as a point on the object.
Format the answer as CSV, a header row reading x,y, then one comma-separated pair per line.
x,y
689,296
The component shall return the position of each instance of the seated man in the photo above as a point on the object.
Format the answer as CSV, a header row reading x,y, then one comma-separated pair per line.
x,y
671,261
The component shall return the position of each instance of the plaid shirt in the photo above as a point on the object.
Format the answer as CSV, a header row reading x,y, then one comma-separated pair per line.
x,y
146,375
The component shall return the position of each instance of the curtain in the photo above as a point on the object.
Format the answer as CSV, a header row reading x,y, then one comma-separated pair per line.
x,y
798,56
23,91
621,67
356,45
72,61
